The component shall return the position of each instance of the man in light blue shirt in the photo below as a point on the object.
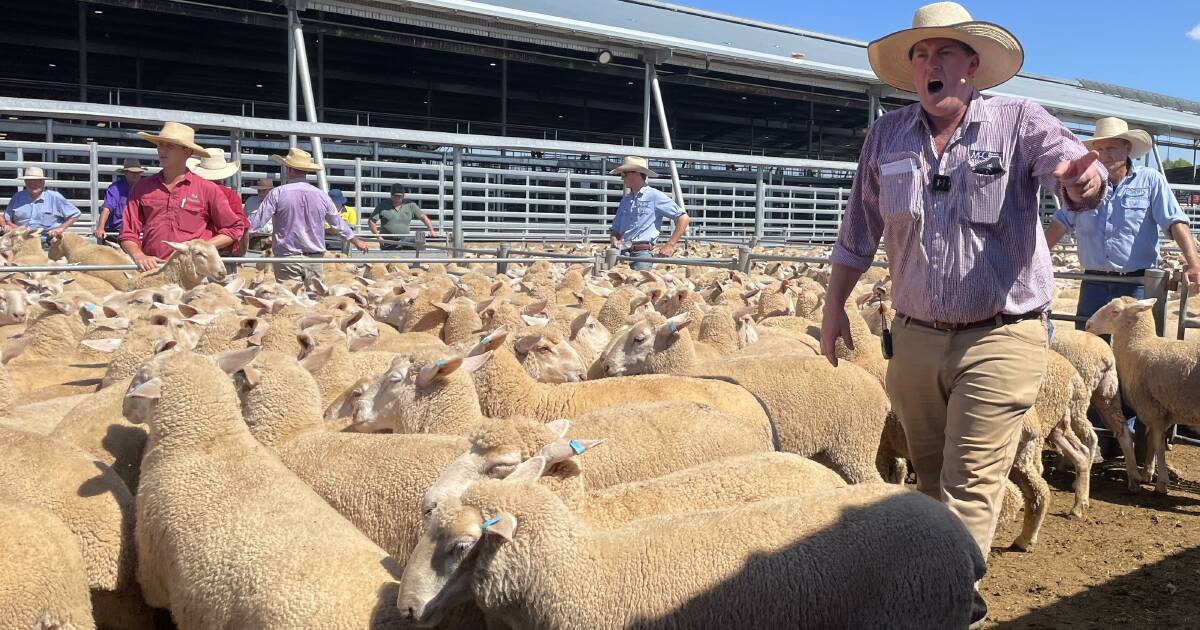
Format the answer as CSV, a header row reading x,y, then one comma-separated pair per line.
x,y
642,209
1121,236
36,207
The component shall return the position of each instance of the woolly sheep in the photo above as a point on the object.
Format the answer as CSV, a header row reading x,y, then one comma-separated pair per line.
x,y
98,426
190,264
76,250
843,433
226,534
1160,378
376,482
538,565
42,579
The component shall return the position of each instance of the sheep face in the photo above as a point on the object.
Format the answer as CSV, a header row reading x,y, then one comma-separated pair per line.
x,y
202,257
437,576
587,331
1120,313
549,358
407,395
633,347
13,307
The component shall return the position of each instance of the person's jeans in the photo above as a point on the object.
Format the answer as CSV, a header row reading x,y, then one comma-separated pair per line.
x,y
1093,295
641,266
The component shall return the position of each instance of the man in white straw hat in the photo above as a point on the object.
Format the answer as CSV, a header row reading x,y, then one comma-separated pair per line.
x,y
299,212
37,207
108,224
215,169
1120,238
642,209
175,205
951,183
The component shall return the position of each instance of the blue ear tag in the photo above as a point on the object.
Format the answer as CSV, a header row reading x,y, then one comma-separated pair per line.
x,y
671,326
576,446
90,307
491,521
439,363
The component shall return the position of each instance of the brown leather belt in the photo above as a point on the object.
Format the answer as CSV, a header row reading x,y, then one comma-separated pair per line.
x,y
997,320
640,247
1121,274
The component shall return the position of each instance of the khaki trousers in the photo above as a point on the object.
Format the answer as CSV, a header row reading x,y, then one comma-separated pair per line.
x,y
961,397
292,270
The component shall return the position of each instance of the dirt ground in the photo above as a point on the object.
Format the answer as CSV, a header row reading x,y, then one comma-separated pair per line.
x,y
1132,562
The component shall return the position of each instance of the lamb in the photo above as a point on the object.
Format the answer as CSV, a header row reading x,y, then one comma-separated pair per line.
x,y
548,356
1159,377
47,351
1096,364
218,514
376,482
505,389
526,560
42,578
638,475
844,435
76,250
619,305
324,353
192,263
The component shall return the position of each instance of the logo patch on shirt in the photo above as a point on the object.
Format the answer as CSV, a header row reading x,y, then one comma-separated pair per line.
x,y
1137,192
982,155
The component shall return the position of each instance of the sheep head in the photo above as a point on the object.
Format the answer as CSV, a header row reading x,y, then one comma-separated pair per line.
x,y
199,260
1121,313
639,347
549,357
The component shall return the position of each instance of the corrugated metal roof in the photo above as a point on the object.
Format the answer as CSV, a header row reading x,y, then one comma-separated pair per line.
x,y
707,35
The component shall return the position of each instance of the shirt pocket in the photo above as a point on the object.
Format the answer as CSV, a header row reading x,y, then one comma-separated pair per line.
x,y
899,186
22,214
986,190
1134,203
192,216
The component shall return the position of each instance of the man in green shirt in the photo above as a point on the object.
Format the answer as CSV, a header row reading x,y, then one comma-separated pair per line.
x,y
394,217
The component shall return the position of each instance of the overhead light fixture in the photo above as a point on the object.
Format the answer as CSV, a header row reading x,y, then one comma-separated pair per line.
x,y
604,56
492,64
98,12
743,98
257,85
630,82
53,65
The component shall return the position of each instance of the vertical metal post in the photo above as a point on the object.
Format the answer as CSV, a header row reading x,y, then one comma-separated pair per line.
x,y
567,204
291,52
646,103
610,257
310,108
502,252
504,97
358,190
743,259
1156,287
321,78
1157,157
458,202
50,155
375,171
666,133
93,180
872,109
83,69
235,150
760,204
597,264
1181,327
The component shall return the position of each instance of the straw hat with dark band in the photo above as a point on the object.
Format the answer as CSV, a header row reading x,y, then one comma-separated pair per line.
x,y
131,165
1115,128
1000,54
213,166
33,172
635,164
176,134
297,159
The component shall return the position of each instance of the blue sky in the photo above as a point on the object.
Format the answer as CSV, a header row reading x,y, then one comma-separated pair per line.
x,y
1142,44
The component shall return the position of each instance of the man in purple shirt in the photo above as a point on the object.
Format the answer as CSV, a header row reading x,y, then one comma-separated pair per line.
x,y
299,212
114,201
951,184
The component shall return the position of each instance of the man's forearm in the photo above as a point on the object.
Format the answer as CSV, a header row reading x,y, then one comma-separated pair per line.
x,y
1187,244
428,224
221,241
681,224
841,282
66,224
103,219
132,248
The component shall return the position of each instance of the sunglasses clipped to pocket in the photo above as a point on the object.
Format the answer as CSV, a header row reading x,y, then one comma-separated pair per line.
x,y
990,166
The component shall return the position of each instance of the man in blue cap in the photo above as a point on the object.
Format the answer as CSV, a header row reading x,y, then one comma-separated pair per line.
x,y
333,240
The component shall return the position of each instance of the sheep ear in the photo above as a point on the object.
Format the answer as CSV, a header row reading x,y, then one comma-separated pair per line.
x,y
534,321
203,319
528,471
102,345
179,247
317,360
235,285
112,323
1146,304
187,310
441,367
502,525
493,340
158,319
535,308
313,320
563,449
579,322
746,295
54,305
526,343
14,346
319,287
473,363
676,324
443,307
151,389
482,306
234,360
252,376
164,344
559,427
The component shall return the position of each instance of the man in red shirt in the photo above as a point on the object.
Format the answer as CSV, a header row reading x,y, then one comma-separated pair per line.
x,y
176,204
215,169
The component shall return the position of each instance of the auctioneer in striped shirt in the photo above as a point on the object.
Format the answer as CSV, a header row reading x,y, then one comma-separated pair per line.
x,y
977,249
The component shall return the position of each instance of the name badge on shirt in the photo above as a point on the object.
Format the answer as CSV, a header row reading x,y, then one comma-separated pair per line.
x,y
1137,192
898,167
982,155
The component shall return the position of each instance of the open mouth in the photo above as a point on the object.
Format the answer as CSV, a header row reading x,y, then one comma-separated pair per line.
x,y
934,86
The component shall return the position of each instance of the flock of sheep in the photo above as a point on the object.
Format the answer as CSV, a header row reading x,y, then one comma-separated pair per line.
x,y
443,446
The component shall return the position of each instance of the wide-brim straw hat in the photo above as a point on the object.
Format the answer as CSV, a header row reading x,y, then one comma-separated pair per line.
x,y
1115,128
131,165
177,134
33,172
1000,54
298,159
635,164
213,166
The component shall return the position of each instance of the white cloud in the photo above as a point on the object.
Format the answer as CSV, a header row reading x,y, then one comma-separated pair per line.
x,y
1194,33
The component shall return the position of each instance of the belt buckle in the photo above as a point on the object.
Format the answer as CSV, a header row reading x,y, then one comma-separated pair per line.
x,y
943,326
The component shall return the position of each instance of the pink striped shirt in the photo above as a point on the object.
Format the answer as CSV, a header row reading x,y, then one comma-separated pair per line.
x,y
965,254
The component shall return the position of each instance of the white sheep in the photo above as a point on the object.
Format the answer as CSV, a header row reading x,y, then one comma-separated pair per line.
x,y
861,556
226,535
76,250
1160,377
42,578
192,263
